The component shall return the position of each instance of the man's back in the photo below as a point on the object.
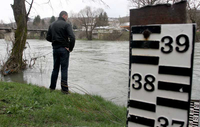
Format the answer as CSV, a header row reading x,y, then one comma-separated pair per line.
x,y
61,34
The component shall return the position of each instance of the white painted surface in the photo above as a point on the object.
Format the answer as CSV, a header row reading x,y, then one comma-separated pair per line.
x,y
175,59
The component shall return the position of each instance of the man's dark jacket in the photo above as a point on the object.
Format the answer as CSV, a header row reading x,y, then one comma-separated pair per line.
x,y
61,35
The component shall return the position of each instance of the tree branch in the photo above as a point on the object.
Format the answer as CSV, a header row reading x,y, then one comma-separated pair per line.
x,y
100,1
47,2
31,5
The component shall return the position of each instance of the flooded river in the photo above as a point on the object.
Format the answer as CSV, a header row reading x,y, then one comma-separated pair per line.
x,y
96,67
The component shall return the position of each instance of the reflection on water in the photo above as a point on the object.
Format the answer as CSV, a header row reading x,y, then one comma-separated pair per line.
x,y
99,67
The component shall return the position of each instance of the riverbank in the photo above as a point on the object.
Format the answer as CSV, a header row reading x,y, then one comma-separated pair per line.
x,y
30,105
124,36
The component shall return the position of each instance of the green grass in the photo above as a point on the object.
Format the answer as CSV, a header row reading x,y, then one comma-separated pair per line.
x,y
29,105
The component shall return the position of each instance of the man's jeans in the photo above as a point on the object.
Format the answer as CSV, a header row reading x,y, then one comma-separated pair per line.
x,y
60,57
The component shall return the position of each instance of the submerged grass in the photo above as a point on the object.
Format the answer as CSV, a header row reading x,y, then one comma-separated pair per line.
x,y
29,105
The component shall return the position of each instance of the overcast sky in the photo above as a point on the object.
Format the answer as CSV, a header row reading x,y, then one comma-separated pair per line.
x,y
117,8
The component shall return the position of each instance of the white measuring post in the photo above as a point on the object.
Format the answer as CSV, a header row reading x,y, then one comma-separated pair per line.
x,y
160,72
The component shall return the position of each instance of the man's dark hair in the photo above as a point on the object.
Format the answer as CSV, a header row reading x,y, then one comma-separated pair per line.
x,y
62,13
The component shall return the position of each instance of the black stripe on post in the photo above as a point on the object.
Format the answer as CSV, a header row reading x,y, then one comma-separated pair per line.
x,y
153,60
145,44
177,87
140,29
173,103
141,120
181,71
142,105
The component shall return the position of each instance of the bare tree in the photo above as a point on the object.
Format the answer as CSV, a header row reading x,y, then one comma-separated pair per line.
x,y
15,60
193,7
141,3
73,19
193,11
1,22
87,17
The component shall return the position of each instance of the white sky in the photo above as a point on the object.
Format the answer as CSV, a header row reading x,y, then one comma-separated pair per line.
x,y
117,8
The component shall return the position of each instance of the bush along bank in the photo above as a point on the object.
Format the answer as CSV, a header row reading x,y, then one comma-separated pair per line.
x,y
29,105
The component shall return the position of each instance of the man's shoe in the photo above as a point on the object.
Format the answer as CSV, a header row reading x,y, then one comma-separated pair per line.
x,y
65,92
51,90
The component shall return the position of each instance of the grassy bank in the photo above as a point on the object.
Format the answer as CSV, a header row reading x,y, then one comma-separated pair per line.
x,y
29,105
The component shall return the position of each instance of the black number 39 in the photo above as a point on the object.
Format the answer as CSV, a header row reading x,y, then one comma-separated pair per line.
x,y
168,44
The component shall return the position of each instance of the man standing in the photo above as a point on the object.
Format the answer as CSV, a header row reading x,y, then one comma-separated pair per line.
x,y
63,40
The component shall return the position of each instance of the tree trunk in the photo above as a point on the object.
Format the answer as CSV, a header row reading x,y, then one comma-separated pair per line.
x,y
15,61
90,35
87,34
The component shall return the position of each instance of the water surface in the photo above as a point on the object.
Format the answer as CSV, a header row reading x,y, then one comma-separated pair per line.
x,y
96,67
